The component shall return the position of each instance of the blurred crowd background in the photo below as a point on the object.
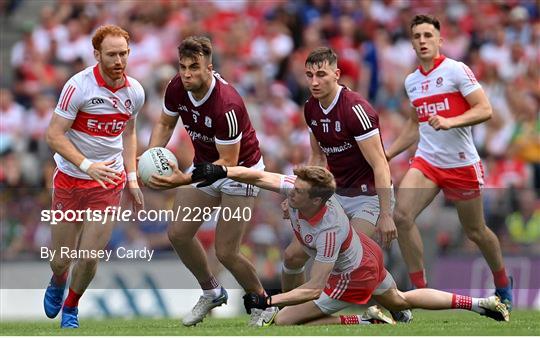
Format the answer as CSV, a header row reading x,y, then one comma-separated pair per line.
x,y
260,47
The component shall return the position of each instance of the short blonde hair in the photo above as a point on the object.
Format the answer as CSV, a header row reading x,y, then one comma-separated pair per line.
x,y
106,30
321,180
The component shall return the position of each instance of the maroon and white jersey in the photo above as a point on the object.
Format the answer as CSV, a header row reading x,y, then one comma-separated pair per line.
x,y
100,115
337,129
220,117
328,236
442,91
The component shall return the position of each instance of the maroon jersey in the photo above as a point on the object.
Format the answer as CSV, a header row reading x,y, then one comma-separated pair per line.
x,y
218,118
337,129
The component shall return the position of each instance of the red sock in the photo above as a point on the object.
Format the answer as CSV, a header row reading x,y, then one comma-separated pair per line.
x,y
418,279
59,280
461,302
72,299
500,278
349,319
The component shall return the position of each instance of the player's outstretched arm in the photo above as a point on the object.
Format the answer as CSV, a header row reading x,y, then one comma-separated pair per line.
x,y
310,290
408,136
373,152
163,130
209,173
56,138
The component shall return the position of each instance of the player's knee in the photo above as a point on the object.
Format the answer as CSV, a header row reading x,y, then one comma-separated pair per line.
x,y
88,264
403,219
60,265
176,234
293,260
396,303
476,234
226,256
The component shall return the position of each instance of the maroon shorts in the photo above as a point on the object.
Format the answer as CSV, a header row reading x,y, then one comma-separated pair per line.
x,y
72,193
458,184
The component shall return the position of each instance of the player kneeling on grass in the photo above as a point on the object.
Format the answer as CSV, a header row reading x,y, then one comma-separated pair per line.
x,y
348,267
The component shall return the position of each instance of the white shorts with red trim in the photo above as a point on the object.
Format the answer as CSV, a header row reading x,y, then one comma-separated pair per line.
x,y
231,187
458,184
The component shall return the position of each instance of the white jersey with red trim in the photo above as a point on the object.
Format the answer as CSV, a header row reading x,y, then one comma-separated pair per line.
x,y
328,236
100,115
442,91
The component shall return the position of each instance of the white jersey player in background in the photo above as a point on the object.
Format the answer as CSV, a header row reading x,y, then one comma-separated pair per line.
x,y
446,101
93,135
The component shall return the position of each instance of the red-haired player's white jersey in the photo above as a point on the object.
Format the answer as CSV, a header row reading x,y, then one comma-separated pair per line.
x,y
328,236
99,115
442,91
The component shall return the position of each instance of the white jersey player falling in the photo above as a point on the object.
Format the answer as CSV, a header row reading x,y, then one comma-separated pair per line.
x,y
442,91
327,237
100,114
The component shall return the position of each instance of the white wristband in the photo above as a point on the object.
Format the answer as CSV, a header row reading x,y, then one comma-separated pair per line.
x,y
132,176
85,164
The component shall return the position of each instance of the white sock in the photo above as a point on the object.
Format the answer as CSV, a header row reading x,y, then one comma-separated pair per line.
x,y
476,306
212,293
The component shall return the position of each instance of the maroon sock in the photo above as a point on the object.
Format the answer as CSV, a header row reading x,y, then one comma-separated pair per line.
x,y
461,302
210,284
72,299
59,280
418,279
349,319
500,278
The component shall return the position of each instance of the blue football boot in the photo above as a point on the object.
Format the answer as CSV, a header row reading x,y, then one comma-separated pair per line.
x,y
52,302
505,294
70,317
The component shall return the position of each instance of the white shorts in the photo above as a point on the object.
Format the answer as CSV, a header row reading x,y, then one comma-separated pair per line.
x,y
231,187
363,207
330,306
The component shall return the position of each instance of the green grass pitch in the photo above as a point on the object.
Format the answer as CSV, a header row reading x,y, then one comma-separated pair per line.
x,y
453,323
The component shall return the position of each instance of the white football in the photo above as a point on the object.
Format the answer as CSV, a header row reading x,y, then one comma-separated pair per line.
x,y
155,161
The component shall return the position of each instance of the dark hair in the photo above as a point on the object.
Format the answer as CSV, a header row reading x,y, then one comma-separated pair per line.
x,y
421,18
321,180
321,54
194,46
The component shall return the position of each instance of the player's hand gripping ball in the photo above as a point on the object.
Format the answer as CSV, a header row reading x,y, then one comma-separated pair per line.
x,y
155,161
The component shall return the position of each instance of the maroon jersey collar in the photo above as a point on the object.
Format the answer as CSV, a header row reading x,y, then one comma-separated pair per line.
x,y
333,104
316,218
206,96
101,81
436,63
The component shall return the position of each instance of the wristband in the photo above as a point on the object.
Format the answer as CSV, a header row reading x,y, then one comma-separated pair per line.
x,y
132,176
85,164
269,301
